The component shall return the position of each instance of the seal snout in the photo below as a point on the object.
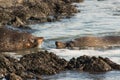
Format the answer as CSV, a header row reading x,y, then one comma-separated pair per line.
x,y
40,40
60,45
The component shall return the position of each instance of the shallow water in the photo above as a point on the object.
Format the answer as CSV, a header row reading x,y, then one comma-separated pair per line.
x,y
74,75
97,18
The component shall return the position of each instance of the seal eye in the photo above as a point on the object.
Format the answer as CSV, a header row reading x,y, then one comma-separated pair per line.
x,y
70,45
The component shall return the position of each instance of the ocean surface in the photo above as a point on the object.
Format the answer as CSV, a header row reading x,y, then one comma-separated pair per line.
x,y
97,18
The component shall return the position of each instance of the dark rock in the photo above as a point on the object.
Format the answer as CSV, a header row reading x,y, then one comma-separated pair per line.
x,y
72,64
111,63
28,75
14,40
97,65
12,69
23,12
9,65
89,64
32,66
43,63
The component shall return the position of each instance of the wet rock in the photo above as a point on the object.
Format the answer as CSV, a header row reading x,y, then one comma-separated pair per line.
x,y
12,69
32,66
28,75
89,64
97,65
9,65
114,65
14,40
43,63
23,12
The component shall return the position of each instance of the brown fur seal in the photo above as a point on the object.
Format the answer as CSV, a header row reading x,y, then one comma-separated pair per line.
x,y
13,40
85,42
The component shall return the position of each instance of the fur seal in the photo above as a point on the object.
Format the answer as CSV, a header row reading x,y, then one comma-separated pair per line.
x,y
11,40
91,41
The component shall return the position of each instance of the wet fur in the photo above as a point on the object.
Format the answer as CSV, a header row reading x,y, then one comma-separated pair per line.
x,y
13,40
96,42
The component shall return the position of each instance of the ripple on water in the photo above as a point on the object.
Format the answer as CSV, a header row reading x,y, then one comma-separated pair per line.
x,y
95,17
74,75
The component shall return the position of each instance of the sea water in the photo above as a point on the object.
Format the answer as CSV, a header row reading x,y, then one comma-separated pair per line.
x,y
97,18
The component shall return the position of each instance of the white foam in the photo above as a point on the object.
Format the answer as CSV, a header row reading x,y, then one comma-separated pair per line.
x,y
68,54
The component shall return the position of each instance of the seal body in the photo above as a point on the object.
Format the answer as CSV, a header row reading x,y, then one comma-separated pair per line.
x,y
96,42
13,40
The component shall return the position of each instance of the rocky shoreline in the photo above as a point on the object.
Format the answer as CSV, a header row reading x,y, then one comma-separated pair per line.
x,y
20,13
32,66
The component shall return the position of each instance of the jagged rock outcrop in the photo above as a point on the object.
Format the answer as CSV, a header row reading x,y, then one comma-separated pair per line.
x,y
92,64
43,63
22,12
111,63
33,65
12,69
